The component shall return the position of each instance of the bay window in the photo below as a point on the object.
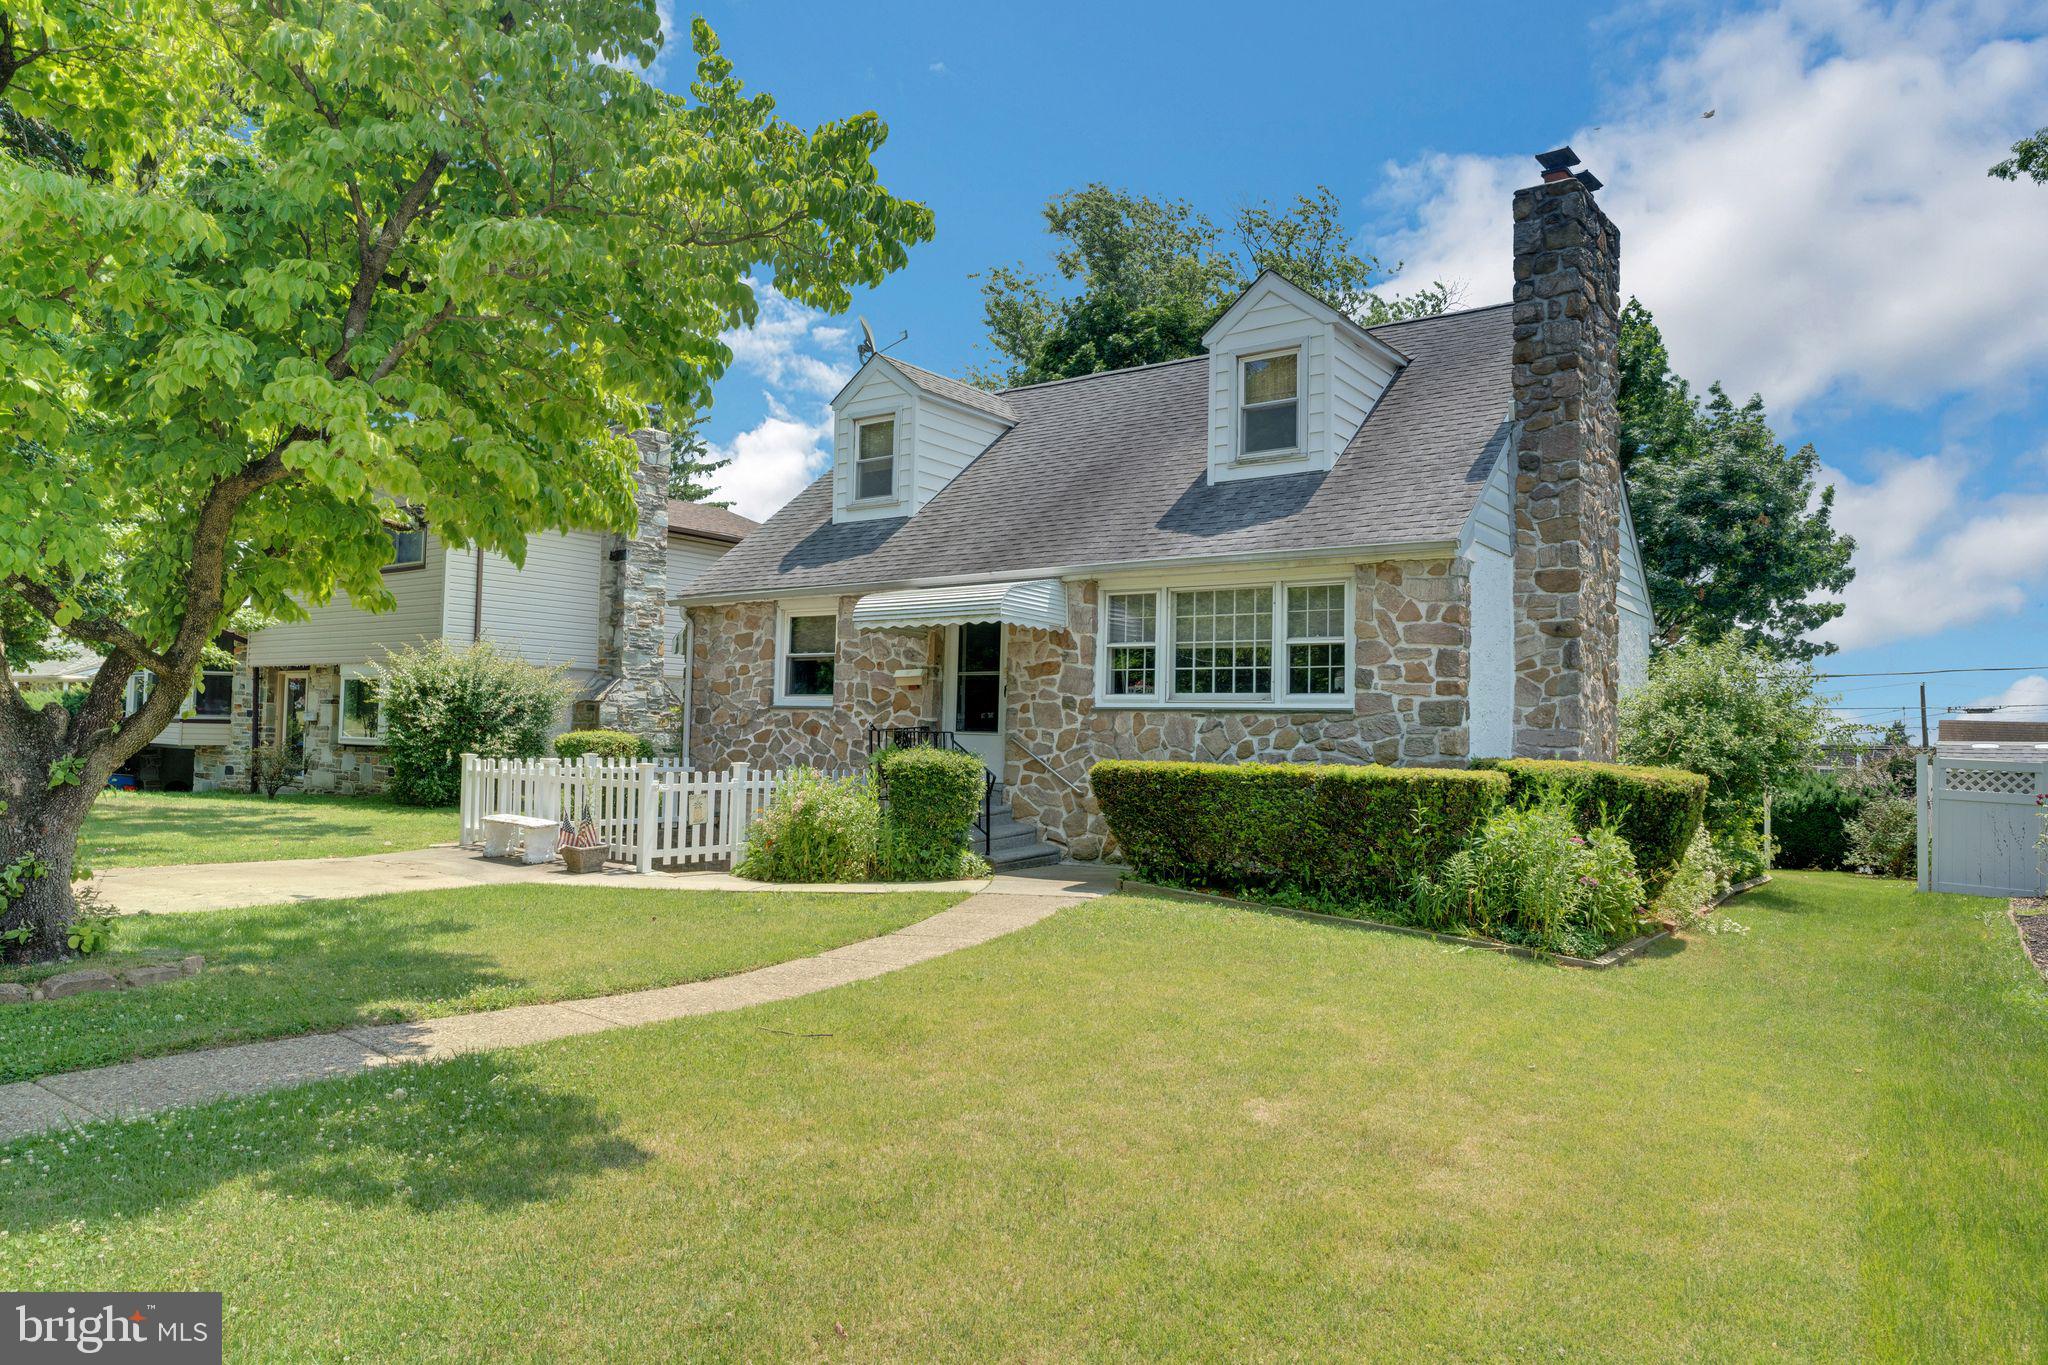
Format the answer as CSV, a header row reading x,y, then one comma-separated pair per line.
x,y
1275,644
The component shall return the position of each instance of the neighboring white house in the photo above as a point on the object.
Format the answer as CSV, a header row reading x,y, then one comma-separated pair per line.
x,y
591,603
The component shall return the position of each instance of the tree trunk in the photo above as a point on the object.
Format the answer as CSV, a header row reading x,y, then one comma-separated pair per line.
x,y
39,841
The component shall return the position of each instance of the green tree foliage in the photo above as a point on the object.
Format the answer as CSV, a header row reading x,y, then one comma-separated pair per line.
x,y
2029,158
326,261
1734,538
1140,279
1745,719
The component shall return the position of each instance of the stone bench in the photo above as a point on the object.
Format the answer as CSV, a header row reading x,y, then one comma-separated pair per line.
x,y
540,836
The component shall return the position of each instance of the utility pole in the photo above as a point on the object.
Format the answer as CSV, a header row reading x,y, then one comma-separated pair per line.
x,y
1923,715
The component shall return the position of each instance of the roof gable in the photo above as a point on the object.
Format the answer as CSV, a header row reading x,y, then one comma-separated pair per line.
x,y
1272,284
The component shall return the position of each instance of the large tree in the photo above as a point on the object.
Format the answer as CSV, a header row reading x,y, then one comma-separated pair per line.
x,y
1140,279
1735,537
324,265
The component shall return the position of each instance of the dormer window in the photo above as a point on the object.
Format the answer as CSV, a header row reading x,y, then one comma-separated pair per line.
x,y
1269,405
875,462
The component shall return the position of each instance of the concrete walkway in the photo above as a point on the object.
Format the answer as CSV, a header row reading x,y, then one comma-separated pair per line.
x,y
1009,902
226,886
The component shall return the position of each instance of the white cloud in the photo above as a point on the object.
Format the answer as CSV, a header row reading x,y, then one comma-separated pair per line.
x,y
773,461
803,359
1831,225
2027,698
1927,559
937,68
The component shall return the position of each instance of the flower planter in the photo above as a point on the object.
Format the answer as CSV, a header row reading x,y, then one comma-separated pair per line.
x,y
583,859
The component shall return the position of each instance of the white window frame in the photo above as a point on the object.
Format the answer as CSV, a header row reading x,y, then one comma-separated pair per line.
x,y
784,614
136,692
1300,400
358,673
895,494
1162,697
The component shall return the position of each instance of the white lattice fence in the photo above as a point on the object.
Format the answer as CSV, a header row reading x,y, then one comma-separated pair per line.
x,y
1980,827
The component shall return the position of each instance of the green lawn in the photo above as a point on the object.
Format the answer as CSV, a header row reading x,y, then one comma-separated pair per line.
x,y
277,970
1157,1129
153,829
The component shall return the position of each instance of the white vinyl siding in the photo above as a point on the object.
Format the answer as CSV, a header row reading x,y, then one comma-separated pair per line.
x,y
339,632
935,440
1492,523
1632,595
948,437
547,613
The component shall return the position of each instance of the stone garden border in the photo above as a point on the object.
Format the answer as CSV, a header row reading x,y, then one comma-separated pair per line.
x,y
87,979
1613,957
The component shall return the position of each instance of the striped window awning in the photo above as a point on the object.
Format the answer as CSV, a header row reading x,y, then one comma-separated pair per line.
x,y
1037,602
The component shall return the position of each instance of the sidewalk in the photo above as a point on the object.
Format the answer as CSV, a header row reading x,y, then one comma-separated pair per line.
x,y
227,886
1009,902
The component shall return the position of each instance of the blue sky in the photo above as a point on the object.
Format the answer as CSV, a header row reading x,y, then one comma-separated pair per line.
x,y
1828,237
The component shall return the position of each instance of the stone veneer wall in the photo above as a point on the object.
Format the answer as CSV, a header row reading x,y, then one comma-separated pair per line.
x,y
1412,625
733,715
331,766
635,588
1568,487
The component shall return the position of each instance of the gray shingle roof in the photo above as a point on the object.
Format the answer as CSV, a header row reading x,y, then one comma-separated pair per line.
x,y
1112,468
981,400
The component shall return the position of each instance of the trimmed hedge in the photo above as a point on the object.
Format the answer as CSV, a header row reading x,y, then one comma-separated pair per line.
x,y
1329,833
933,799
1810,820
603,743
1655,809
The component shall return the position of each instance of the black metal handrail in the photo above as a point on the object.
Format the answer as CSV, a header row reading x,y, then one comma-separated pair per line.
x,y
882,737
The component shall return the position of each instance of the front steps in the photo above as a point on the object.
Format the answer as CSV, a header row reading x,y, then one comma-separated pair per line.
x,y
1013,843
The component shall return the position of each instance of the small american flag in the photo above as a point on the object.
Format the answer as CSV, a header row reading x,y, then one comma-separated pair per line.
x,y
584,832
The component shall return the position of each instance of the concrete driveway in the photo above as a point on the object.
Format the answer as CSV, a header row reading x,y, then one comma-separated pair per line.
x,y
222,886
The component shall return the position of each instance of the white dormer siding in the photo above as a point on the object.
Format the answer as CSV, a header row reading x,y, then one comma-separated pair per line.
x,y
1340,372
935,439
1488,546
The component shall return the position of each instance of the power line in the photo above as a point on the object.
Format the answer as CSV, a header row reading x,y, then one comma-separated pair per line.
x,y
1930,672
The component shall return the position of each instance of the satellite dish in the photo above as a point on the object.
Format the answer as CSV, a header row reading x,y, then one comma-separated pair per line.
x,y
867,340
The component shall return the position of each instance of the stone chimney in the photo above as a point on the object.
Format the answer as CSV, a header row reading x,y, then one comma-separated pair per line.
x,y
1568,485
631,691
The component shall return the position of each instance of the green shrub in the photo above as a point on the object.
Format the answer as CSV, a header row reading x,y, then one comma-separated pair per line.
x,y
1810,818
1701,878
1530,877
814,829
1885,836
441,703
275,766
604,743
1656,809
71,698
1336,837
934,797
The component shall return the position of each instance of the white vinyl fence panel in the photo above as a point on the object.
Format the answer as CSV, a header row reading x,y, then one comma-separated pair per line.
x,y
1980,827
689,816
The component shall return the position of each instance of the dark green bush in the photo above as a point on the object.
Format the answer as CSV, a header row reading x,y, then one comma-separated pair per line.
x,y
1810,819
933,799
1330,835
603,743
1655,809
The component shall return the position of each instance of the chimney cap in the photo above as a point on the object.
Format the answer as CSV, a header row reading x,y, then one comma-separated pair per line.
x,y
1588,179
1558,159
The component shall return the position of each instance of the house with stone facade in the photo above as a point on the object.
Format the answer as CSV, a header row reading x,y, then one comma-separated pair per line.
x,y
594,604
1315,541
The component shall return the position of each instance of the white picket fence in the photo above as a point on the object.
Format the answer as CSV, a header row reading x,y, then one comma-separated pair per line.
x,y
696,817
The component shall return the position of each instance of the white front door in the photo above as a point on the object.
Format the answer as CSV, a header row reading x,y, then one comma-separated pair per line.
x,y
974,690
